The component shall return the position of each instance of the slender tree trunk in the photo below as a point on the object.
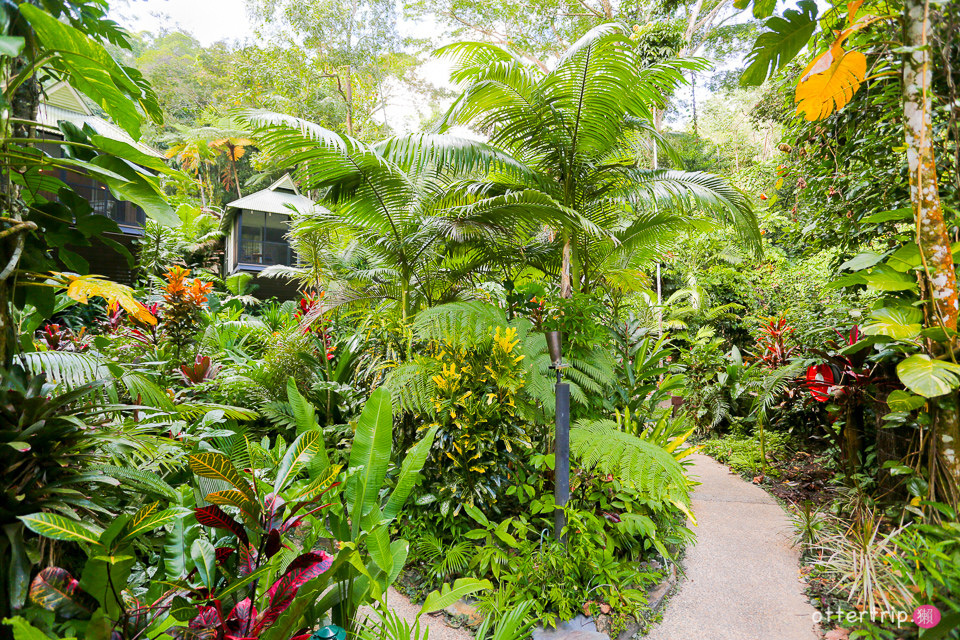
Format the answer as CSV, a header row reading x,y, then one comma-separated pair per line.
x,y
566,281
932,236
348,91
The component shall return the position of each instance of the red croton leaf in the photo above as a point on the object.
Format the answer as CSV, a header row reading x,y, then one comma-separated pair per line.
x,y
241,619
303,569
56,590
223,553
247,559
273,543
214,516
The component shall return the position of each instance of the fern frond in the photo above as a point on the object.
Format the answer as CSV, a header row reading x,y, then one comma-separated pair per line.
x,y
66,367
643,465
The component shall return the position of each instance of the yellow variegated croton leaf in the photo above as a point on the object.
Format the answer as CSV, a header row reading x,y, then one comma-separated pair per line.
x,y
82,288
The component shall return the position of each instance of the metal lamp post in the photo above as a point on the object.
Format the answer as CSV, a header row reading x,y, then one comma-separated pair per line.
x,y
562,435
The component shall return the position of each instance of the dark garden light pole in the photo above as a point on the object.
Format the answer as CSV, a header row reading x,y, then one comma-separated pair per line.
x,y
562,435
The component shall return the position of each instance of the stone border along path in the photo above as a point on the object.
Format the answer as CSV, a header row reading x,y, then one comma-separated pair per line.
x,y
742,579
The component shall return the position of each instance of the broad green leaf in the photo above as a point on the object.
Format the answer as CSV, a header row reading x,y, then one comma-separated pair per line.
x,y
182,610
905,258
54,526
205,558
378,543
306,418
861,261
298,454
370,455
447,595
928,377
11,45
885,278
90,68
139,189
900,323
780,43
885,216
846,281
409,474
23,630
900,400
476,514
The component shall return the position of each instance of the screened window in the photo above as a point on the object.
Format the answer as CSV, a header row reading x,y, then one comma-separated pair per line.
x,y
262,239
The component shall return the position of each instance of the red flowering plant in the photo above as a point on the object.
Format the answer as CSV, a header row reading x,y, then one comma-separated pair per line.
x,y
847,379
774,348
311,318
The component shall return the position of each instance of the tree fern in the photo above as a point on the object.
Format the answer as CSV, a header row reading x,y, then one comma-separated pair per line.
x,y
642,465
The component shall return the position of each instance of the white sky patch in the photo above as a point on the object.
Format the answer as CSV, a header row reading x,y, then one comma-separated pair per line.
x,y
209,21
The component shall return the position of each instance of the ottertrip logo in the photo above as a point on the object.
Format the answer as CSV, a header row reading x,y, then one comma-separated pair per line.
x,y
925,617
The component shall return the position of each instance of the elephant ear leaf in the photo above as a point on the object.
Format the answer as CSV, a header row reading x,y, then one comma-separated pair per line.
x,y
56,590
783,40
928,377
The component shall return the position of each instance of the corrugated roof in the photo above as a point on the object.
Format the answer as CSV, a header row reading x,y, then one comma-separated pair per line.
x,y
49,115
276,199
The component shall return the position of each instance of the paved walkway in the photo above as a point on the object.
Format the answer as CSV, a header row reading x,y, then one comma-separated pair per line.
x,y
742,576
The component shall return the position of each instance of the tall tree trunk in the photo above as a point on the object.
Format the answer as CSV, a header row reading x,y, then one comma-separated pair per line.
x,y
566,280
931,229
348,93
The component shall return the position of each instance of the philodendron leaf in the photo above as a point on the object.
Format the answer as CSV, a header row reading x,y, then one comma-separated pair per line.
x,y
900,323
900,400
928,377
445,597
782,41
861,261
885,278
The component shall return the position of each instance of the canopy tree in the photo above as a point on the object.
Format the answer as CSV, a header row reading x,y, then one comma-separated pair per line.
x,y
580,131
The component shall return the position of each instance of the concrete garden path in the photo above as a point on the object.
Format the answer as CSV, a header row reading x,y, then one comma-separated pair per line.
x,y
742,576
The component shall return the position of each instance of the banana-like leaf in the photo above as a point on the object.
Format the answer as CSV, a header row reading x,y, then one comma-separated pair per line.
x,y
378,543
409,474
447,595
370,455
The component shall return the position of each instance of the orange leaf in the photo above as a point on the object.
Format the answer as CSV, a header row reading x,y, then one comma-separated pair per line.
x,y
830,81
852,9
81,288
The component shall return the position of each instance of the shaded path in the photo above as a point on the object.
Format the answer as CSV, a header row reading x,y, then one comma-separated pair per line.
x,y
742,576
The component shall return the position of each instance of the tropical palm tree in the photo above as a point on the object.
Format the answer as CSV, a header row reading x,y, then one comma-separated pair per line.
x,y
580,131
408,231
